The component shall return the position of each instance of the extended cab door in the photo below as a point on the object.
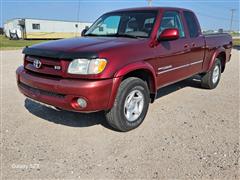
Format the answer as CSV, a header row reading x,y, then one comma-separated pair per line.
x,y
172,62
196,42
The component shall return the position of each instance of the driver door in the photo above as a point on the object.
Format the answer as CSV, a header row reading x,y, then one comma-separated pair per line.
x,y
172,56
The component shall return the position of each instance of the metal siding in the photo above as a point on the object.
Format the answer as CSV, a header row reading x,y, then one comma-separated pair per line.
x,y
49,29
53,29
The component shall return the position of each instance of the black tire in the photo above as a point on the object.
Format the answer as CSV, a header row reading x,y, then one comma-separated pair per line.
x,y
208,80
116,116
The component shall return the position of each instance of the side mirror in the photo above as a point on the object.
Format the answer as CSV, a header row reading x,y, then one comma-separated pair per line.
x,y
84,31
169,34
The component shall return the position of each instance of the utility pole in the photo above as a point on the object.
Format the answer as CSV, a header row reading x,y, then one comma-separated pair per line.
x,y
149,3
231,23
78,14
78,10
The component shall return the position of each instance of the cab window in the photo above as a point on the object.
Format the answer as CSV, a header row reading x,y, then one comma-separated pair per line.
x,y
172,19
191,24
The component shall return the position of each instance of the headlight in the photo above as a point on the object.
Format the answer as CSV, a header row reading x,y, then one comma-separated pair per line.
x,y
87,66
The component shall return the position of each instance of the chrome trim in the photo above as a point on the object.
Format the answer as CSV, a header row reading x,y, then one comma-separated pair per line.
x,y
37,63
165,67
197,62
57,67
175,68
179,67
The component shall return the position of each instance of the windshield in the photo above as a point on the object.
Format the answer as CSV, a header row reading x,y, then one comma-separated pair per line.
x,y
126,24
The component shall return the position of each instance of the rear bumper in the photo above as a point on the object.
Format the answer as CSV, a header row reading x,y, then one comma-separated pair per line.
x,y
62,93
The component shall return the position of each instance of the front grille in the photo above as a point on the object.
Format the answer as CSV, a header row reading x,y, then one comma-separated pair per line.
x,y
40,91
48,66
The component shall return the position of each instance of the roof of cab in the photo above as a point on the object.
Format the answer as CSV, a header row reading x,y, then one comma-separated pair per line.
x,y
150,8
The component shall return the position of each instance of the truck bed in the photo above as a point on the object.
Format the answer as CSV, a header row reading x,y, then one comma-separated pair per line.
x,y
221,39
216,40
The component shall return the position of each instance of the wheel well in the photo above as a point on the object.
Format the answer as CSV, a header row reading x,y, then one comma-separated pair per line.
x,y
146,76
222,57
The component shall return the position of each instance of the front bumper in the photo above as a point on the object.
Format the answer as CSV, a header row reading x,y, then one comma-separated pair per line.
x,y
62,93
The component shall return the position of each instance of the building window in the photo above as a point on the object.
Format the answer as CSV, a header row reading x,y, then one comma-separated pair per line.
x,y
36,26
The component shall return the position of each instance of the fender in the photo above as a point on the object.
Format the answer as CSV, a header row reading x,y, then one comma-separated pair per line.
x,y
127,69
215,55
139,66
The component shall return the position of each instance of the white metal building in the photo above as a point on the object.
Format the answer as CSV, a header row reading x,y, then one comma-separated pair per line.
x,y
43,29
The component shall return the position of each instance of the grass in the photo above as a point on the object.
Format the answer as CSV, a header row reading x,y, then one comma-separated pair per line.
x,y
236,42
235,34
6,44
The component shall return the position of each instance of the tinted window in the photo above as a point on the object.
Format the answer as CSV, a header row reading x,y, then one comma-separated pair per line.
x,y
36,26
171,19
191,23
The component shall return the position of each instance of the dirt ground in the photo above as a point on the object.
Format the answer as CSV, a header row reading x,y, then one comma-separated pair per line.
x,y
189,132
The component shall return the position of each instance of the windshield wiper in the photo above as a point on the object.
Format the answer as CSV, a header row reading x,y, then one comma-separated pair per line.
x,y
114,35
91,34
126,35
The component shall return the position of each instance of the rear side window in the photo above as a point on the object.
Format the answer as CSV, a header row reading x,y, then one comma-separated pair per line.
x,y
191,24
172,19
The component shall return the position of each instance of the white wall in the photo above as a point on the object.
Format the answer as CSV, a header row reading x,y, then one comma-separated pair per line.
x,y
47,26
54,26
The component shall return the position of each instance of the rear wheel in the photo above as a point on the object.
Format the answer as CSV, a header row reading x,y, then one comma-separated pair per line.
x,y
211,79
130,106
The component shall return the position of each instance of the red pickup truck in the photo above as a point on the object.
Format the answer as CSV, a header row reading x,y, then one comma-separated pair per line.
x,y
121,61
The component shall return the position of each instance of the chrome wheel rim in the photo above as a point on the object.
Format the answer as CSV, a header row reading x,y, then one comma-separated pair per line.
x,y
215,75
133,105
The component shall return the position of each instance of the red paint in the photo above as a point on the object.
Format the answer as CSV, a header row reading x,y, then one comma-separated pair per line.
x,y
169,34
165,62
95,92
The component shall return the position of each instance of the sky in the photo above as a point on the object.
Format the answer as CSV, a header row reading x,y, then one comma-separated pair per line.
x,y
212,14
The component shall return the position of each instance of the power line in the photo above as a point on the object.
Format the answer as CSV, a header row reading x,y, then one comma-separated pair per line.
x,y
231,23
215,17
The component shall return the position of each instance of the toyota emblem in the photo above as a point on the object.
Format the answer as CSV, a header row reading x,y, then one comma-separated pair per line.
x,y
37,63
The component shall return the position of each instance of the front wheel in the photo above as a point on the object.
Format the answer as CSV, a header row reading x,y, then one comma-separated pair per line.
x,y
130,106
211,79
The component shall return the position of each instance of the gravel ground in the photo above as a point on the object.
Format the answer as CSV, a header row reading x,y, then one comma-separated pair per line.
x,y
189,132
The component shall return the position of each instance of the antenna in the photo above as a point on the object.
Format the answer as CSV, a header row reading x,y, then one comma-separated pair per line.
x,y
149,3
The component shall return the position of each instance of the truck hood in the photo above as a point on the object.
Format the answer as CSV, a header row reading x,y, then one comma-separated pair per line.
x,y
85,47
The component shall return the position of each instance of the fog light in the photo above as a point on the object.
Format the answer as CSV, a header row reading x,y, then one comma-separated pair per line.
x,y
82,102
